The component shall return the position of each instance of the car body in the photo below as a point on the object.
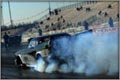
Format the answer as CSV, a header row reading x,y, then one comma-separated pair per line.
x,y
38,46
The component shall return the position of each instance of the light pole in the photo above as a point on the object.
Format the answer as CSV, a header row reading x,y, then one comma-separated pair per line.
x,y
1,19
10,14
49,8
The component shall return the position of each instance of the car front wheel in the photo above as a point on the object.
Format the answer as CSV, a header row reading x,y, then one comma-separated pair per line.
x,y
19,63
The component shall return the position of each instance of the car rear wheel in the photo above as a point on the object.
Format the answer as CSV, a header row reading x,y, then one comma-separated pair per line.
x,y
38,56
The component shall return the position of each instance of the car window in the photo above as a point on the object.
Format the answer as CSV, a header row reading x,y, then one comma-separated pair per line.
x,y
32,44
43,45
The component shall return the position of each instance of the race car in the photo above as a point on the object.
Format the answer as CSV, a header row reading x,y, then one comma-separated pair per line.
x,y
38,46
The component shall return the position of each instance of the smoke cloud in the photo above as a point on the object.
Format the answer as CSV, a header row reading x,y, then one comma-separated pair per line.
x,y
84,53
88,53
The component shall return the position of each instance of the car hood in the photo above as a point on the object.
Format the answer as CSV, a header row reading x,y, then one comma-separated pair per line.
x,y
24,51
28,50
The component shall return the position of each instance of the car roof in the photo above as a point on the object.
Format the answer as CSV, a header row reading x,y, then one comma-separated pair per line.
x,y
51,36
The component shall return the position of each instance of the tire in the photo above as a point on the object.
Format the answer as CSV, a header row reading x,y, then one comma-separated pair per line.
x,y
38,56
19,63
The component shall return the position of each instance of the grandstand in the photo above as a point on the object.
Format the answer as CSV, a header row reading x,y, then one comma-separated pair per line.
x,y
73,19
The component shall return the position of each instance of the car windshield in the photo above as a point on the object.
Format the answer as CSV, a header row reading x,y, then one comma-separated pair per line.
x,y
32,44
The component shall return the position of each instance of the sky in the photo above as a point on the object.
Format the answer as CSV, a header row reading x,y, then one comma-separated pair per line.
x,y
23,11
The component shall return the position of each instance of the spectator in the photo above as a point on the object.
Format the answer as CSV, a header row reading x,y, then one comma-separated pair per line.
x,y
58,19
81,8
48,18
52,24
63,20
59,25
110,6
78,9
41,22
40,32
51,13
56,12
85,24
88,9
61,16
100,12
118,15
106,14
6,40
110,21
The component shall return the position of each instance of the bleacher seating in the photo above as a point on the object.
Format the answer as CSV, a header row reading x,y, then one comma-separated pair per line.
x,y
74,18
